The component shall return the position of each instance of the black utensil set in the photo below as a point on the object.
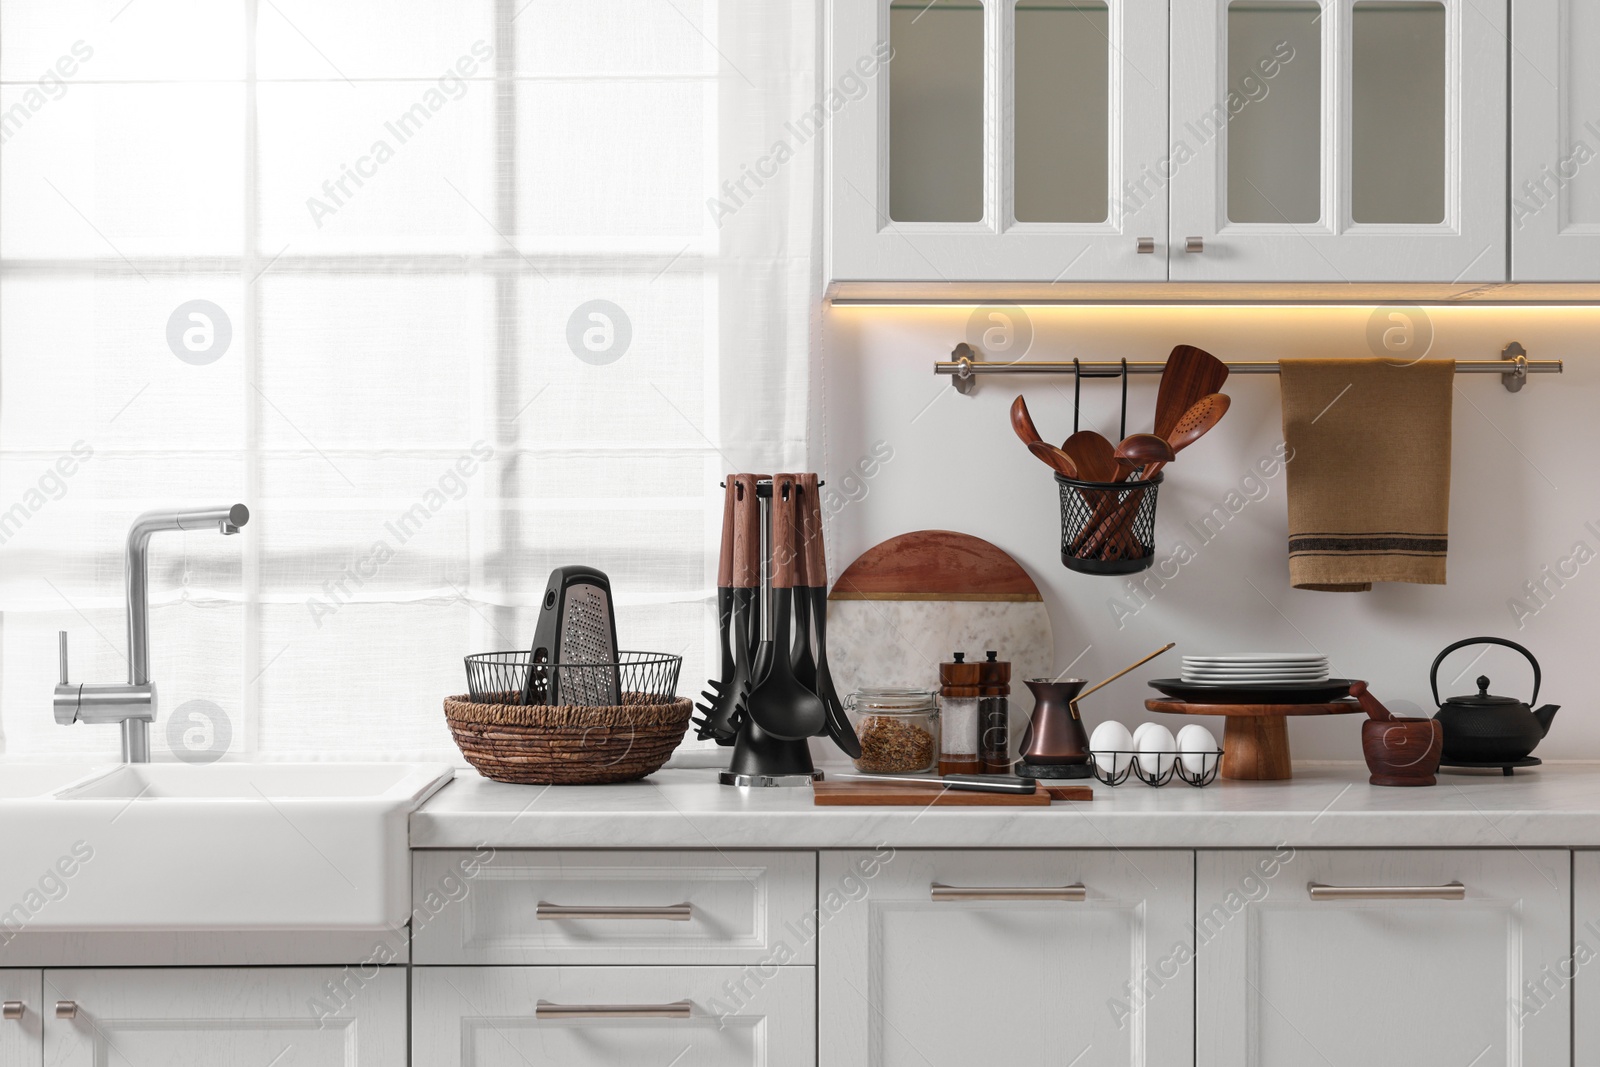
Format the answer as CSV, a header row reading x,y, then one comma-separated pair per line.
x,y
774,688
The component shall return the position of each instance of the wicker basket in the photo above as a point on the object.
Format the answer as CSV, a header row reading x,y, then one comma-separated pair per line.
x,y
541,745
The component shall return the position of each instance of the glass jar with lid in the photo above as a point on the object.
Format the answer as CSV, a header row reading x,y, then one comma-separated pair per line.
x,y
898,729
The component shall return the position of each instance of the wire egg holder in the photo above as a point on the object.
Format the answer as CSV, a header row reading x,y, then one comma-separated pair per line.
x,y
1125,763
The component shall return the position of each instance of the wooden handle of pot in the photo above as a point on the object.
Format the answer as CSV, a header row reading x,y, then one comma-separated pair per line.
x,y
746,533
785,530
725,559
812,557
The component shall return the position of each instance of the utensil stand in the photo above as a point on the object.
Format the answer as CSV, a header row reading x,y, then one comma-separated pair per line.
x,y
759,759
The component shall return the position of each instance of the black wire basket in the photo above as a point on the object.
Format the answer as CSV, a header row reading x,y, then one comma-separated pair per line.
x,y
1108,527
1125,764
635,678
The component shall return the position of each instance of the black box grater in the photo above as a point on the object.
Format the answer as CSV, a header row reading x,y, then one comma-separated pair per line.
x,y
577,633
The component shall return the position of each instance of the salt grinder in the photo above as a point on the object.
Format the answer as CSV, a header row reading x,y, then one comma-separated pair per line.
x,y
958,716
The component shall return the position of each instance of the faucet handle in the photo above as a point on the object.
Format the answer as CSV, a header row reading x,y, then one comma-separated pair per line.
x,y
61,637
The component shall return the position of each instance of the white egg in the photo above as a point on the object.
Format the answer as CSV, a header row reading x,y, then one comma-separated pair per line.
x,y
1197,749
1157,748
1143,730
1111,737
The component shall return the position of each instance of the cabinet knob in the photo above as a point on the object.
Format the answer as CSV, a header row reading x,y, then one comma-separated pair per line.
x,y
12,1009
1145,245
66,1009
1194,244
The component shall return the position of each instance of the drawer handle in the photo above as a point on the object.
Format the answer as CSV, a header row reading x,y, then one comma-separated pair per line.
x,y
1075,892
673,913
66,1009
12,1009
1448,891
678,1009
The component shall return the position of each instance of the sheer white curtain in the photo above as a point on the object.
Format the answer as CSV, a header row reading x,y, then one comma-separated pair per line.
x,y
449,292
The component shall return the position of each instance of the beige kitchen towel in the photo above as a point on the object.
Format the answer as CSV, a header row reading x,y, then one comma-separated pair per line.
x,y
1368,471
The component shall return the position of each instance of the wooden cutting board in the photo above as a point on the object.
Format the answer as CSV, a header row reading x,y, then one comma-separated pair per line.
x,y
906,604
893,794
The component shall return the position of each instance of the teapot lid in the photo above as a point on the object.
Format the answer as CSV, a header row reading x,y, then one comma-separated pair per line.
x,y
1483,698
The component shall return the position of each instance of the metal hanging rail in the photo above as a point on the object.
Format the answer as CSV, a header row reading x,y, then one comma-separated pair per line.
x,y
966,363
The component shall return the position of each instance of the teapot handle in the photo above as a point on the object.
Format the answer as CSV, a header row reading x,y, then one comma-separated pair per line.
x,y
1433,674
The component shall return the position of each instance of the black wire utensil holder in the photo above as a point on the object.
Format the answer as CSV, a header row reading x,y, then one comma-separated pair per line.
x,y
1107,527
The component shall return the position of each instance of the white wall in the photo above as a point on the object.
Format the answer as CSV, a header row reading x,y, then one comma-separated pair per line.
x,y
1524,487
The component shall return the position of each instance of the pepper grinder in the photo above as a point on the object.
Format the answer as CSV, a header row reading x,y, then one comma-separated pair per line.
x,y
994,714
958,716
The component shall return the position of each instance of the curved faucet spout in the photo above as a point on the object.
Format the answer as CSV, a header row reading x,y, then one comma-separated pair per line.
x,y
225,519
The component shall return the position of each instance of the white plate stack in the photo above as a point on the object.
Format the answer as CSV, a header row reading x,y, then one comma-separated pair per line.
x,y
1259,668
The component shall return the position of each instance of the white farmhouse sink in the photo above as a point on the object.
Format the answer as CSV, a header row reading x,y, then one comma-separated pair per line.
x,y
226,846
39,779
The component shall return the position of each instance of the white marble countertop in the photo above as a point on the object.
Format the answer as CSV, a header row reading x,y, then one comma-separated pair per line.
x,y
1327,805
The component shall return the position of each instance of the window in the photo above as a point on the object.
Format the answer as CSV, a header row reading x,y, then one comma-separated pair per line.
x,y
448,293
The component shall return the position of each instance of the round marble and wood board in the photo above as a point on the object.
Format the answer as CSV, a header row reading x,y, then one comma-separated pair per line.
x,y
906,604
1255,737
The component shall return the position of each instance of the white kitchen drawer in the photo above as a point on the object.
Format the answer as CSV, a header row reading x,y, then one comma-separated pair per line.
x,y
976,957
706,1016
1363,975
22,1039
528,907
227,1017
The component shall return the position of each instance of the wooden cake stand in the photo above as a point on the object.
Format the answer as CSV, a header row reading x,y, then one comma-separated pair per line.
x,y
1255,740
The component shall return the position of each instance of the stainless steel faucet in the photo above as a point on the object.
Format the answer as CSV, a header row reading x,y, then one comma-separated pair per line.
x,y
134,704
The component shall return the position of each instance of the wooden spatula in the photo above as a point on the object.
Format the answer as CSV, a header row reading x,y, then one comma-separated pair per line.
x,y
1191,373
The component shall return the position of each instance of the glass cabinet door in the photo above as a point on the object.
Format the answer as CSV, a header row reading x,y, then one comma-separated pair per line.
x,y
1338,140
997,140
1555,141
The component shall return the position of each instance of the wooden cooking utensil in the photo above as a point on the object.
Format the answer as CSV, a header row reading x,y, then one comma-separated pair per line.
x,y
1049,454
1141,450
1022,422
780,705
1195,424
1190,374
1054,458
1093,455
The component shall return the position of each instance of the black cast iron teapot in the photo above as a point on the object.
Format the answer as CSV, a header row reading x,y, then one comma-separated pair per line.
x,y
1484,728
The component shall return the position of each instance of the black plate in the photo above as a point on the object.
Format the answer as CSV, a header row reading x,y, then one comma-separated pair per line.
x,y
1266,693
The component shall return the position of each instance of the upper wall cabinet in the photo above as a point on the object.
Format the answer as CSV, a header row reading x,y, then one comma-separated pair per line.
x,y
1555,141
997,140
1346,140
